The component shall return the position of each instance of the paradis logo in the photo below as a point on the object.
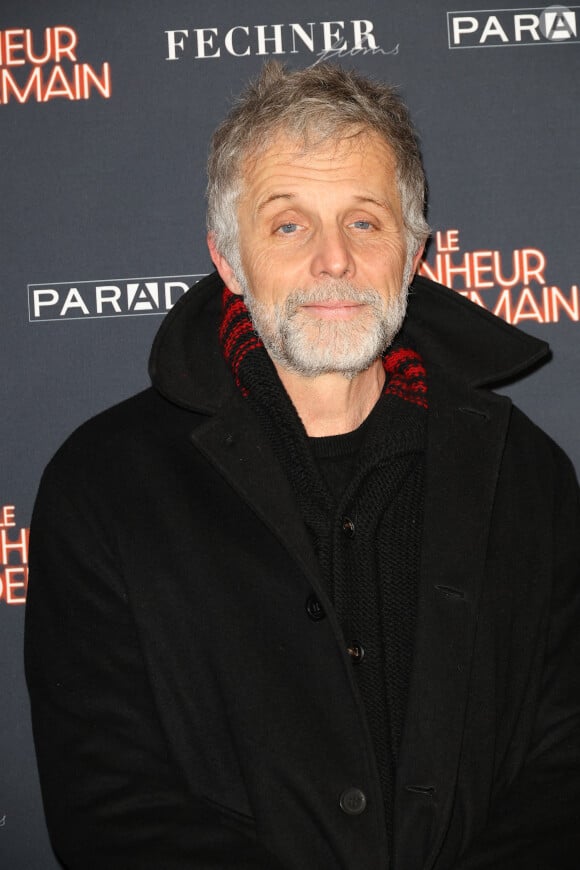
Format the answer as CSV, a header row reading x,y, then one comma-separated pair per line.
x,y
494,28
44,66
117,297
514,288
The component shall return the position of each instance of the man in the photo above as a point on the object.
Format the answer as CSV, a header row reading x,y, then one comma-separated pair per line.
x,y
312,600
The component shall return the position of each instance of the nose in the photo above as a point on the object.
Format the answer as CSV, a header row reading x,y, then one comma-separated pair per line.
x,y
332,256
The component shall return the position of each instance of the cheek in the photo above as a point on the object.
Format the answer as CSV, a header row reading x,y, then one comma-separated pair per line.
x,y
257,264
393,249
384,264
268,269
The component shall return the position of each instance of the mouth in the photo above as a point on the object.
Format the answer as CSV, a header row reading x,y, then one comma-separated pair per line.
x,y
333,309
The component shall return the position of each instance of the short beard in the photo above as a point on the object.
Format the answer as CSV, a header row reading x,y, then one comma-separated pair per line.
x,y
311,347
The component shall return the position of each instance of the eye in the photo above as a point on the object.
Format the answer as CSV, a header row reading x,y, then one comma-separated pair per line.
x,y
362,225
288,228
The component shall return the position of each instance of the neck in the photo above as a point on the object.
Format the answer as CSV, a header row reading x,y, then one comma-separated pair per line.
x,y
332,404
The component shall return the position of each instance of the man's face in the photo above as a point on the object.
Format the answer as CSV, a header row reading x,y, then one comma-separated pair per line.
x,y
323,253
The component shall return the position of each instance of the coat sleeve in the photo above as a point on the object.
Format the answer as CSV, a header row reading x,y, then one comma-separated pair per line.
x,y
114,797
535,822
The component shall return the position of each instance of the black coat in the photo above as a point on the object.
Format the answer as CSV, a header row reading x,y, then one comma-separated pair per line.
x,y
189,711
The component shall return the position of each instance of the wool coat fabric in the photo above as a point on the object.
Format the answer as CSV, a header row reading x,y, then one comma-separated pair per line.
x,y
193,701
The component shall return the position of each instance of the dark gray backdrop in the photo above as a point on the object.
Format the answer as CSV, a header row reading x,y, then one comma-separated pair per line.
x,y
107,191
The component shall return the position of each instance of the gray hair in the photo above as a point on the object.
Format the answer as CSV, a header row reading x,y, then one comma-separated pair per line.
x,y
311,105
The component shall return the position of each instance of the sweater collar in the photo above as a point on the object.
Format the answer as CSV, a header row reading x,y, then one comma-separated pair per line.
x,y
187,365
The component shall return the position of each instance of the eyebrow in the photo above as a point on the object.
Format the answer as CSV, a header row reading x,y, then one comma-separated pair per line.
x,y
272,198
290,196
380,203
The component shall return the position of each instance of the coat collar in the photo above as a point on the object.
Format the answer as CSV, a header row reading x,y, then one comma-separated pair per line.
x,y
187,367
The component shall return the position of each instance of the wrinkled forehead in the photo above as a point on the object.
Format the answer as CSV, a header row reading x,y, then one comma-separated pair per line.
x,y
318,147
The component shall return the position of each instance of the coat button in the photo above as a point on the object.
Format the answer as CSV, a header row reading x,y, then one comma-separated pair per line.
x,y
356,652
314,608
353,802
348,527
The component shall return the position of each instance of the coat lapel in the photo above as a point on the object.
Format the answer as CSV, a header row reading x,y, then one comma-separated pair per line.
x,y
467,430
234,443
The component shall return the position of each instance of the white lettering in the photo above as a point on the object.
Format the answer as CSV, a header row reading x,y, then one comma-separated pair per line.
x,y
170,300
229,42
528,23
206,41
143,297
466,24
107,294
37,295
493,28
173,43
363,33
263,39
329,35
316,37
73,300
560,23
298,30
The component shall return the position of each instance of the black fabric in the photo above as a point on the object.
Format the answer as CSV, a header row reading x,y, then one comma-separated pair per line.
x,y
190,714
368,539
335,455
374,576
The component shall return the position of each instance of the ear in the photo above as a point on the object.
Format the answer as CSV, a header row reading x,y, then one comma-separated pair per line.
x,y
225,271
417,259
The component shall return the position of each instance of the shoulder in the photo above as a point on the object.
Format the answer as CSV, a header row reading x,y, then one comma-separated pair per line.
x,y
105,451
535,470
529,440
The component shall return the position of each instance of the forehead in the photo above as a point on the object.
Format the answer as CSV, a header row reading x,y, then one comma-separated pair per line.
x,y
364,160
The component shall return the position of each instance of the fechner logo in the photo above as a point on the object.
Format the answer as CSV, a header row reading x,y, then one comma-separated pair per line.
x,y
496,28
325,40
114,297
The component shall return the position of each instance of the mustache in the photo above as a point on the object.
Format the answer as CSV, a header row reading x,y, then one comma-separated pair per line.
x,y
334,291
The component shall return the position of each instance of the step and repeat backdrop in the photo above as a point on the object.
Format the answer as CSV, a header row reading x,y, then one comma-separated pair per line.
x,y
105,113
